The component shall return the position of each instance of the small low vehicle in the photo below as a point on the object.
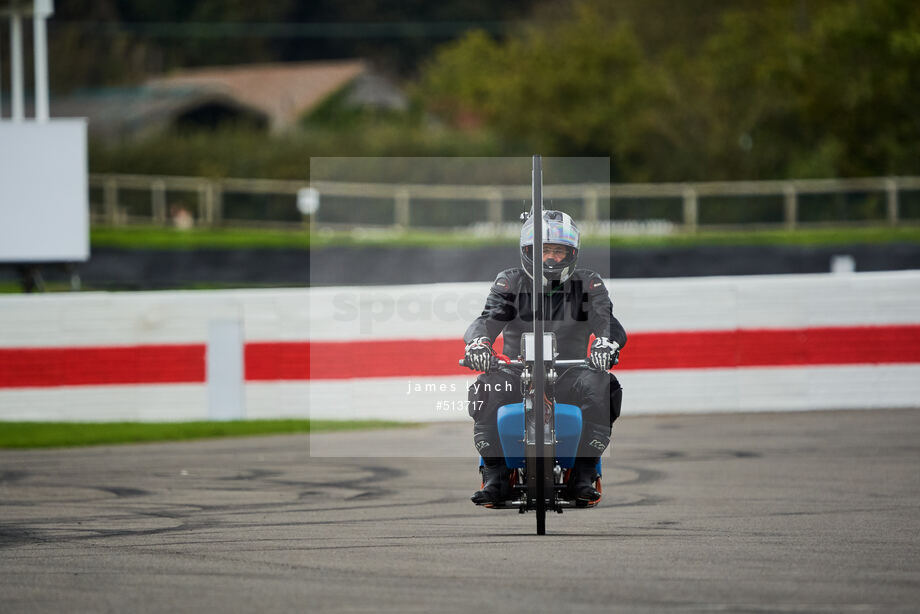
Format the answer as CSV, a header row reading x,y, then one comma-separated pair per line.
x,y
541,466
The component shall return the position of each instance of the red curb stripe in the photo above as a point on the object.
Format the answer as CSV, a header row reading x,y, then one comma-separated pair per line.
x,y
352,359
668,350
283,360
93,366
330,360
773,348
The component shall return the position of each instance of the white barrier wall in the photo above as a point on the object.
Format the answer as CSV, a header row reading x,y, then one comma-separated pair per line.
x,y
696,345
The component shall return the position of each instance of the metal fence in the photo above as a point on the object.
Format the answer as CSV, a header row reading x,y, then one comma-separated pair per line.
x,y
126,199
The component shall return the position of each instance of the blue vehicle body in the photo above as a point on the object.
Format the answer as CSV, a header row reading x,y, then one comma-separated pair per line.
x,y
568,434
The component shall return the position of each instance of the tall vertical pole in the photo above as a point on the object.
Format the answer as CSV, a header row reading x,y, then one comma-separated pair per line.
x,y
40,57
539,373
16,85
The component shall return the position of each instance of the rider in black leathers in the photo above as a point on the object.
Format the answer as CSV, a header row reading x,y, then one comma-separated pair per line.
x,y
576,306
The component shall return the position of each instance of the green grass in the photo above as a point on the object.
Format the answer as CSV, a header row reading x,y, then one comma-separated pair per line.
x,y
151,237
14,287
876,235
168,238
61,434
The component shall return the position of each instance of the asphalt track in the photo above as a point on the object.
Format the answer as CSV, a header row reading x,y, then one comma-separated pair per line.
x,y
795,512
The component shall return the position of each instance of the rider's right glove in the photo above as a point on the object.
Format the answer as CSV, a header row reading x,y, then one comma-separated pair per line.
x,y
604,353
479,354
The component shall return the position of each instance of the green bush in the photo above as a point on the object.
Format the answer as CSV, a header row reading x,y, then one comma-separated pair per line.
x,y
766,90
253,154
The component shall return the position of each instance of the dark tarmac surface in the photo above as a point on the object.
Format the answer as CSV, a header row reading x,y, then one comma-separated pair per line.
x,y
797,512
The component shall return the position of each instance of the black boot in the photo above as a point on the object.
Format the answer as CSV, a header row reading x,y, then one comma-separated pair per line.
x,y
594,440
496,485
581,482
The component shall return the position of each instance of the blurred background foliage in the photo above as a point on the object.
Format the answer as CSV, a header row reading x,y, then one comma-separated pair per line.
x,y
762,90
671,91
112,42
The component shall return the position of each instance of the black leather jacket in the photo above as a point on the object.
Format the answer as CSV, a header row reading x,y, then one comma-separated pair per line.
x,y
573,310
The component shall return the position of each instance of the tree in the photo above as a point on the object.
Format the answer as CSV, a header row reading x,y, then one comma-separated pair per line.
x,y
564,90
862,97
785,88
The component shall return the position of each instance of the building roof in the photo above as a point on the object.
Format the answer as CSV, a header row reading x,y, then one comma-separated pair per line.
x,y
138,111
282,91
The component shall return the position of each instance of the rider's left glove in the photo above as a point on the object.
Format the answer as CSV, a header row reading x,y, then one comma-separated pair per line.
x,y
604,354
479,355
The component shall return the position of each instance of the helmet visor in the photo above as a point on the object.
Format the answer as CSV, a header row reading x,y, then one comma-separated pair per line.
x,y
557,228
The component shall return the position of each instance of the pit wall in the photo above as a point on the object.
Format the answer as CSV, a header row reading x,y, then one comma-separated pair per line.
x,y
715,344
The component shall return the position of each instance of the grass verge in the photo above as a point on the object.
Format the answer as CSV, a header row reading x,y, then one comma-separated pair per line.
x,y
66,434
870,235
153,237
235,238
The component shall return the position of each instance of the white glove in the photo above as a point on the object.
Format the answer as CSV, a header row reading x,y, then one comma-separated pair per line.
x,y
478,354
604,354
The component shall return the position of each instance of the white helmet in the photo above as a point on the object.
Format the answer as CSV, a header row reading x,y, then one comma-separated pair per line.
x,y
559,229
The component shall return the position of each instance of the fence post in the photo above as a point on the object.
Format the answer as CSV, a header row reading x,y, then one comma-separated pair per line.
x,y
401,209
891,188
158,201
217,204
495,207
204,202
790,206
691,209
590,198
110,201
211,196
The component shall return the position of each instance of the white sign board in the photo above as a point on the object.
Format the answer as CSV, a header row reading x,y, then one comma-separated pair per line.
x,y
44,208
308,201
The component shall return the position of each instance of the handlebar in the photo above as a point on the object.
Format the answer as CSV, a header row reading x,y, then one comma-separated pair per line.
x,y
520,363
